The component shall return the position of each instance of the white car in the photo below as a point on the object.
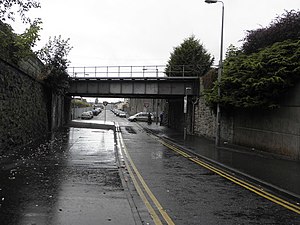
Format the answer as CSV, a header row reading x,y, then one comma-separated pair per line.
x,y
91,112
141,116
86,115
122,114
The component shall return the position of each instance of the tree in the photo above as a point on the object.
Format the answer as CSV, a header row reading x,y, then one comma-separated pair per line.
x,y
258,79
54,56
189,59
76,103
7,12
15,47
264,68
284,27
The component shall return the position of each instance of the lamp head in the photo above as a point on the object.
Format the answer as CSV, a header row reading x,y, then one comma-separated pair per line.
x,y
211,1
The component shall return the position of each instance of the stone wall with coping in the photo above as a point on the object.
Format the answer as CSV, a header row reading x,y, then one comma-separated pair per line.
x,y
24,106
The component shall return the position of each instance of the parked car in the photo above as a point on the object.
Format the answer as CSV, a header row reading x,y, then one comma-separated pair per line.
x,y
96,111
122,114
90,112
141,116
116,112
86,115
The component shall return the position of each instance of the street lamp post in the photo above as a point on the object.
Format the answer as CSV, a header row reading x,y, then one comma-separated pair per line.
x,y
218,119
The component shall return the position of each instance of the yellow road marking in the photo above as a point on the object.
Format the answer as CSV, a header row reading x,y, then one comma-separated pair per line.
x,y
236,180
146,188
154,216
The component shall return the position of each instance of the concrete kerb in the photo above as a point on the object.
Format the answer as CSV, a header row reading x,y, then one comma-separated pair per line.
x,y
104,125
239,174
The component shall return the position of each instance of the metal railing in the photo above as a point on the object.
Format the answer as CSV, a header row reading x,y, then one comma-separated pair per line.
x,y
130,71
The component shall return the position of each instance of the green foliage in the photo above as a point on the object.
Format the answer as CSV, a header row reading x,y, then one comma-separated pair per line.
x,y
209,79
14,47
7,38
7,12
54,56
191,57
25,41
267,65
286,27
258,79
79,104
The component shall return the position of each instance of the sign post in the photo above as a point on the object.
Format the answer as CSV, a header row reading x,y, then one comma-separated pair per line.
x,y
105,104
185,102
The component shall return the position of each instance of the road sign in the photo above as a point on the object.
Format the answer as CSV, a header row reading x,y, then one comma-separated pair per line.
x,y
105,103
146,104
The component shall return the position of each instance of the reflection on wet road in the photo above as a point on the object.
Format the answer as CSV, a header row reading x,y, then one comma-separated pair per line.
x,y
72,178
192,194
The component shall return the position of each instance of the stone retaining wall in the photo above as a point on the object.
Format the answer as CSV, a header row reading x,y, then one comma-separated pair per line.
x,y
276,131
24,106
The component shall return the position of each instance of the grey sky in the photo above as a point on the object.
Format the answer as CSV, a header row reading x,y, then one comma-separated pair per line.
x,y
144,32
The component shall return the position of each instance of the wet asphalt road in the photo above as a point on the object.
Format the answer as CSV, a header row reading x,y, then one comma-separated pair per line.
x,y
191,194
74,178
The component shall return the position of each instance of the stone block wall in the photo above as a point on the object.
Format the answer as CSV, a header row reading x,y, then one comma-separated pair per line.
x,y
24,107
32,66
138,105
205,118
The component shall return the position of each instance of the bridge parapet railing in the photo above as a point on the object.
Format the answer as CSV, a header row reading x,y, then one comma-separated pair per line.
x,y
154,71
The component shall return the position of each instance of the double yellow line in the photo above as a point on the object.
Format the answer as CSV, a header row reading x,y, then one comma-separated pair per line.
x,y
142,188
244,184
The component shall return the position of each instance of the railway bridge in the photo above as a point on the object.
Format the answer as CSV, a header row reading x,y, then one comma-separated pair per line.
x,y
132,82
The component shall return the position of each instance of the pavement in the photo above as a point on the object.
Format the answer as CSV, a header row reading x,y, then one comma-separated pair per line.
x,y
72,177
267,170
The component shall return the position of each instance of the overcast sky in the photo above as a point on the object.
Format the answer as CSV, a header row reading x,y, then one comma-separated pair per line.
x,y
144,32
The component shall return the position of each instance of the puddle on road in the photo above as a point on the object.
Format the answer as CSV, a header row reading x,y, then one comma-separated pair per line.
x,y
130,130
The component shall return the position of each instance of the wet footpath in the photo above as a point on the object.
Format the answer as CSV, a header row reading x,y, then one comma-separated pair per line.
x,y
279,175
72,178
